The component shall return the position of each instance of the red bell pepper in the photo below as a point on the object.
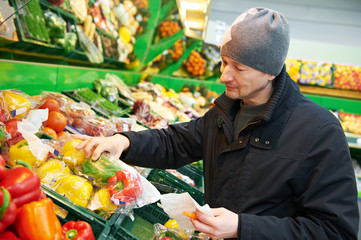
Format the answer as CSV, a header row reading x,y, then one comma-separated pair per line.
x,y
7,210
23,185
79,230
2,167
124,187
37,221
8,236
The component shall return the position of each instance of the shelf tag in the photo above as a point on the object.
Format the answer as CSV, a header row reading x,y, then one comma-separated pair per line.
x,y
358,141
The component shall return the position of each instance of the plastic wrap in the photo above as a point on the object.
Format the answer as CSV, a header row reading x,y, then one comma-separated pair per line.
x,y
71,156
15,103
92,52
52,171
101,170
123,124
127,188
77,189
97,126
101,204
163,233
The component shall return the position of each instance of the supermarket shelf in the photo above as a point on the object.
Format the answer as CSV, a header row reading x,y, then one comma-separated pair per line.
x,y
330,92
354,140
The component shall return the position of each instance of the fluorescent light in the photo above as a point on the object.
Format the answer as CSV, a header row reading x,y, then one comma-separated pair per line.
x,y
194,16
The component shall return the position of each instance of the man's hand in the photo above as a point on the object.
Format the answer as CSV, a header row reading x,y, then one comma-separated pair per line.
x,y
94,146
224,224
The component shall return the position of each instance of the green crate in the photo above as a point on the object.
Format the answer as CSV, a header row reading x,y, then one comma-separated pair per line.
x,y
77,212
142,228
99,104
195,174
101,229
163,177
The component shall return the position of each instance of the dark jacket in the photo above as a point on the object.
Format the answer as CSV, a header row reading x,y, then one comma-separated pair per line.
x,y
289,175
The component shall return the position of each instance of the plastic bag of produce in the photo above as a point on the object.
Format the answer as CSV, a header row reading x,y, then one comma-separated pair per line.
x,y
101,203
123,124
55,24
101,170
77,189
126,187
15,104
161,233
92,52
70,155
97,126
52,171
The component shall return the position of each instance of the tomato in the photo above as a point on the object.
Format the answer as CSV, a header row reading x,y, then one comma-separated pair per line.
x,y
50,104
3,114
57,121
12,129
50,132
59,134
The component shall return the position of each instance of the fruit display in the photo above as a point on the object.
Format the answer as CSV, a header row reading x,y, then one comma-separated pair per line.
x,y
347,77
293,67
195,64
350,122
26,211
168,28
316,73
203,62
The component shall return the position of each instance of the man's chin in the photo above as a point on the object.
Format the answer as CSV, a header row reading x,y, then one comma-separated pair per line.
x,y
232,95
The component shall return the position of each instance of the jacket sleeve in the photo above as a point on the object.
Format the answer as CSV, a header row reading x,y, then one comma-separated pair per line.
x,y
172,147
324,191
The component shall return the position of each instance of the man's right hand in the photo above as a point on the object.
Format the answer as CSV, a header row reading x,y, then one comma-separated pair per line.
x,y
94,146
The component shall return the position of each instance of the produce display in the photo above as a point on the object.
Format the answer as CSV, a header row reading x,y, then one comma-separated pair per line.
x,y
195,64
347,77
42,159
350,122
26,212
293,67
316,73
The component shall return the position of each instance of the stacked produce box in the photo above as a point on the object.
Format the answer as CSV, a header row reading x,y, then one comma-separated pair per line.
x,y
77,185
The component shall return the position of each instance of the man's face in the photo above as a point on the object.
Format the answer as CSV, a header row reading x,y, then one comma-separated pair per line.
x,y
246,83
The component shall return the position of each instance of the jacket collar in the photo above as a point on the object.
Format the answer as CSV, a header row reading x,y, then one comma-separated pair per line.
x,y
272,120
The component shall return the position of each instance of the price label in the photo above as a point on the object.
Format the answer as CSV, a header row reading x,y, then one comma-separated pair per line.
x,y
358,141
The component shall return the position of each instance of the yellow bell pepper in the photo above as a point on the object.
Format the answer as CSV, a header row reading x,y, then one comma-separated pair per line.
x,y
21,151
76,189
104,199
52,171
171,223
14,101
71,156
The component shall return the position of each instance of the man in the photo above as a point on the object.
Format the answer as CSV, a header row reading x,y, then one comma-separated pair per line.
x,y
276,165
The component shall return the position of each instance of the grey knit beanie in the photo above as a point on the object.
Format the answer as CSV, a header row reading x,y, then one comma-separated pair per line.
x,y
259,38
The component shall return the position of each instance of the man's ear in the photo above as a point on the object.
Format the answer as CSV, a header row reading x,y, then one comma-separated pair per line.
x,y
271,77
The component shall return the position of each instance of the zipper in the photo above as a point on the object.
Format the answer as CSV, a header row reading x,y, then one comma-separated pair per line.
x,y
248,124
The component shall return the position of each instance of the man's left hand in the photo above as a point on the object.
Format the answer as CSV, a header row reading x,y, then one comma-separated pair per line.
x,y
224,223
